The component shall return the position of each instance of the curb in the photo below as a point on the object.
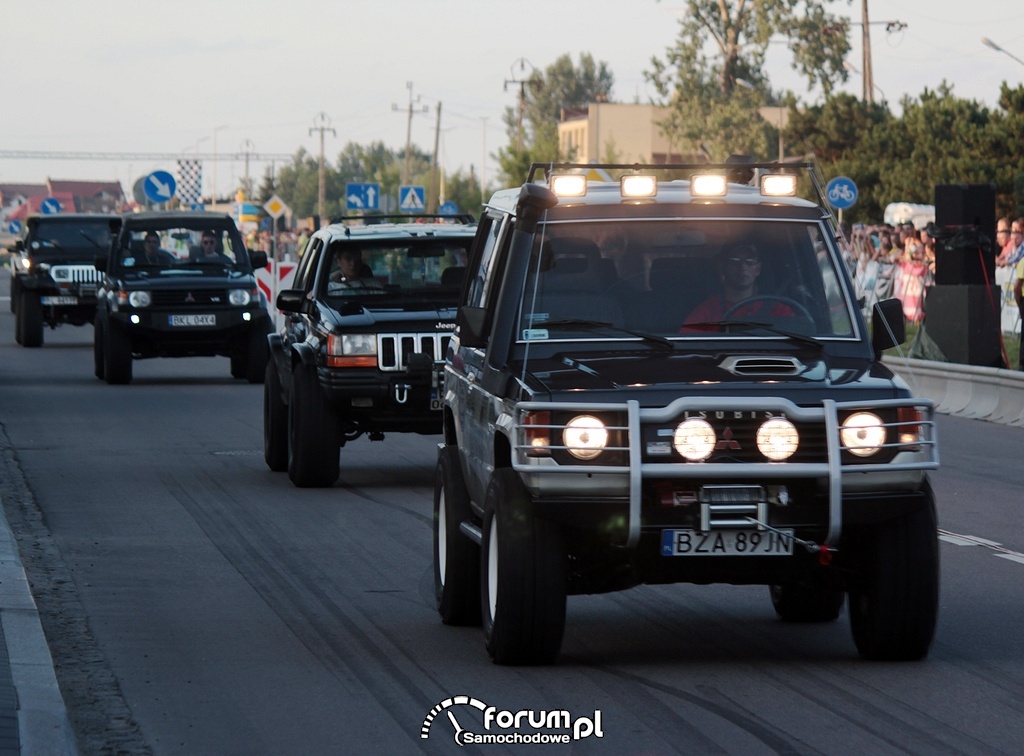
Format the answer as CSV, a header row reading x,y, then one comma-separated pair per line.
x,y
995,395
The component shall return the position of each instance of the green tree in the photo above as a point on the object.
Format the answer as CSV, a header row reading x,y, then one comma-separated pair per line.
x,y
562,85
714,78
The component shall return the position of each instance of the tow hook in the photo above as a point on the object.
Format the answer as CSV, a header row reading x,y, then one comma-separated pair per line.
x,y
402,392
823,551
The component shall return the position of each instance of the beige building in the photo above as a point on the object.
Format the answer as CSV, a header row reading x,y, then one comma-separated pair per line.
x,y
619,133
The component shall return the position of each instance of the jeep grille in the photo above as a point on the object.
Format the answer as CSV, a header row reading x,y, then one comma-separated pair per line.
x,y
393,349
75,274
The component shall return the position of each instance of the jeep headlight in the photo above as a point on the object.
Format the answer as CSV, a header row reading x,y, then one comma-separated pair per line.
x,y
862,433
585,436
777,439
352,350
239,297
694,439
140,299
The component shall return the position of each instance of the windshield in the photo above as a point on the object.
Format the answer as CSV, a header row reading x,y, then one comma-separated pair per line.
x,y
86,237
683,280
389,272
183,247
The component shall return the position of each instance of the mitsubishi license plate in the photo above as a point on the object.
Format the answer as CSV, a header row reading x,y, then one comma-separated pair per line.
x,y
693,543
192,320
58,300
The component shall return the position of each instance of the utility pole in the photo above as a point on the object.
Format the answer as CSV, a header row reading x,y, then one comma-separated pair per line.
x,y
523,63
323,121
435,184
869,79
408,130
247,149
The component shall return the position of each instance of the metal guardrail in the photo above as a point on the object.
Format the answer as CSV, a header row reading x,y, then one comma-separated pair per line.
x,y
995,395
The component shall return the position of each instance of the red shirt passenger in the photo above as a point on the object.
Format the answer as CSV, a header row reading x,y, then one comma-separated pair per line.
x,y
739,269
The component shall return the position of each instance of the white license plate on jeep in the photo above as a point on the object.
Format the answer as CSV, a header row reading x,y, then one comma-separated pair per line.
x,y
190,321
693,543
59,300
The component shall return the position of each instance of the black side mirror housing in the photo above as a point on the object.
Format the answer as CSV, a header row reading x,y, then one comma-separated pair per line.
x,y
291,300
471,321
258,258
888,326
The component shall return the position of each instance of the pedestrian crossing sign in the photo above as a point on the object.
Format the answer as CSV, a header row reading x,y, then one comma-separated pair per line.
x,y
412,199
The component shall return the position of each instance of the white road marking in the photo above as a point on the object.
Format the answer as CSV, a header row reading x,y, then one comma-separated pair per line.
x,y
958,539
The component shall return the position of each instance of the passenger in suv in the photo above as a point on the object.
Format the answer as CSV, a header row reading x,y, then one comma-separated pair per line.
x,y
367,323
591,444
54,280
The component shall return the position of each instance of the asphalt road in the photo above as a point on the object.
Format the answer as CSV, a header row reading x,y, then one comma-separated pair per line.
x,y
197,603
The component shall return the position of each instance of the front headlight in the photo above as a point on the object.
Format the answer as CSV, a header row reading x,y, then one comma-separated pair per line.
x,y
694,439
239,297
352,350
862,433
777,439
140,299
585,436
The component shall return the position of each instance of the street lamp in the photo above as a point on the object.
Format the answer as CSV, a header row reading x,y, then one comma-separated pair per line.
x,y
213,193
989,43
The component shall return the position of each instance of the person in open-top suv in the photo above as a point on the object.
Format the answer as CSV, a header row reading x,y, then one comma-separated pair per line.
x,y
53,278
660,381
366,325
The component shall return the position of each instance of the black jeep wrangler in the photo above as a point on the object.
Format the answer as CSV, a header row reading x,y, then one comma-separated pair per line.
x,y
53,279
667,378
180,284
367,324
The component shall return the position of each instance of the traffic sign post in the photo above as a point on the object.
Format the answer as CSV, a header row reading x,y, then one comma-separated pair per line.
x,y
50,206
14,227
841,193
159,186
362,196
412,199
448,208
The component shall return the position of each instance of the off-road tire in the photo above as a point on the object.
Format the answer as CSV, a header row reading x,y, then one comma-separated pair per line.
x,y
275,422
98,364
257,354
456,557
313,439
28,320
117,356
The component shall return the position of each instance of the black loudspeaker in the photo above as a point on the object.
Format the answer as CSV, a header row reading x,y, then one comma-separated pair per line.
x,y
964,323
965,221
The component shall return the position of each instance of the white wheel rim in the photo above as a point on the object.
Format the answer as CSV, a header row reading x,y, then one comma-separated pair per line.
x,y
492,568
442,539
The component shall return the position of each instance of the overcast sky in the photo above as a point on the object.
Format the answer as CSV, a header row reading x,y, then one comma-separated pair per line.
x,y
177,76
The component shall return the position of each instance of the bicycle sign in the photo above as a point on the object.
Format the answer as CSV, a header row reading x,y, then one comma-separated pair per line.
x,y
841,193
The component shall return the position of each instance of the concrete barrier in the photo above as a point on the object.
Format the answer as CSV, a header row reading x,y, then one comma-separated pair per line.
x,y
991,394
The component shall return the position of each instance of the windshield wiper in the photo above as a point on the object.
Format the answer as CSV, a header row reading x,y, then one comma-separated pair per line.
x,y
92,241
726,326
649,338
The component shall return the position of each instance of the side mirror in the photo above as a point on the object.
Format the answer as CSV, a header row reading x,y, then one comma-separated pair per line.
x,y
291,300
258,258
19,245
471,322
100,263
888,326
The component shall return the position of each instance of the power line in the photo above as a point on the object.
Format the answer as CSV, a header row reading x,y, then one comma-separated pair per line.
x,y
77,155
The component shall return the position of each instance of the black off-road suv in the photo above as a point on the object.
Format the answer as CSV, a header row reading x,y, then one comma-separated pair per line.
x,y
367,325
667,378
53,279
180,284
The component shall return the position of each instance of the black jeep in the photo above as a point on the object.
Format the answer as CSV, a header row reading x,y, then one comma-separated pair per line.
x,y
180,284
667,378
367,323
53,277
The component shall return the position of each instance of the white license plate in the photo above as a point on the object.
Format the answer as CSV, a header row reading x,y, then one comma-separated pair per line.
x,y
727,543
193,320
59,300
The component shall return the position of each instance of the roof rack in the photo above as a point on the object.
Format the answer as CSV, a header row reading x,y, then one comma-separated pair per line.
x,y
370,220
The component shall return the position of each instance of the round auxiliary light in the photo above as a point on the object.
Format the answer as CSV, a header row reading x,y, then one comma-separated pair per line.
x,y
585,436
863,433
694,439
140,299
777,439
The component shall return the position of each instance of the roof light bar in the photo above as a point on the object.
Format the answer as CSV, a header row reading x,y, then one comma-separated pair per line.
x,y
707,185
638,186
778,185
569,185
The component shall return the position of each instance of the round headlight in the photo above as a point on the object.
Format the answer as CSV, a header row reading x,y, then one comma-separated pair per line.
x,y
585,436
777,439
863,433
240,297
694,439
140,299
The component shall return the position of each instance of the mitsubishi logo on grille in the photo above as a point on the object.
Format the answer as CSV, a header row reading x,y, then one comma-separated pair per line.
x,y
189,297
727,441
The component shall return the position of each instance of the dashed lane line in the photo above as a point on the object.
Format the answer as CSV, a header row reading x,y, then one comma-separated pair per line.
x,y
958,539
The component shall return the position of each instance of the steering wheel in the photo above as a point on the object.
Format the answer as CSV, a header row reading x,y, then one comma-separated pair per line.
x,y
768,299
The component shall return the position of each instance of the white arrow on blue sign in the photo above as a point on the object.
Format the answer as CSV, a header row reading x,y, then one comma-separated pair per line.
x,y
841,193
362,196
159,186
14,227
412,198
50,206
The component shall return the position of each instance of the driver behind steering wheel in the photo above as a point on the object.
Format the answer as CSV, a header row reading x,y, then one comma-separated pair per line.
x,y
738,268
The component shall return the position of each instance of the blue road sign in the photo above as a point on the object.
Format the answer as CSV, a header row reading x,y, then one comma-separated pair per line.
x,y
197,206
448,208
412,199
50,206
841,193
362,196
14,227
159,186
